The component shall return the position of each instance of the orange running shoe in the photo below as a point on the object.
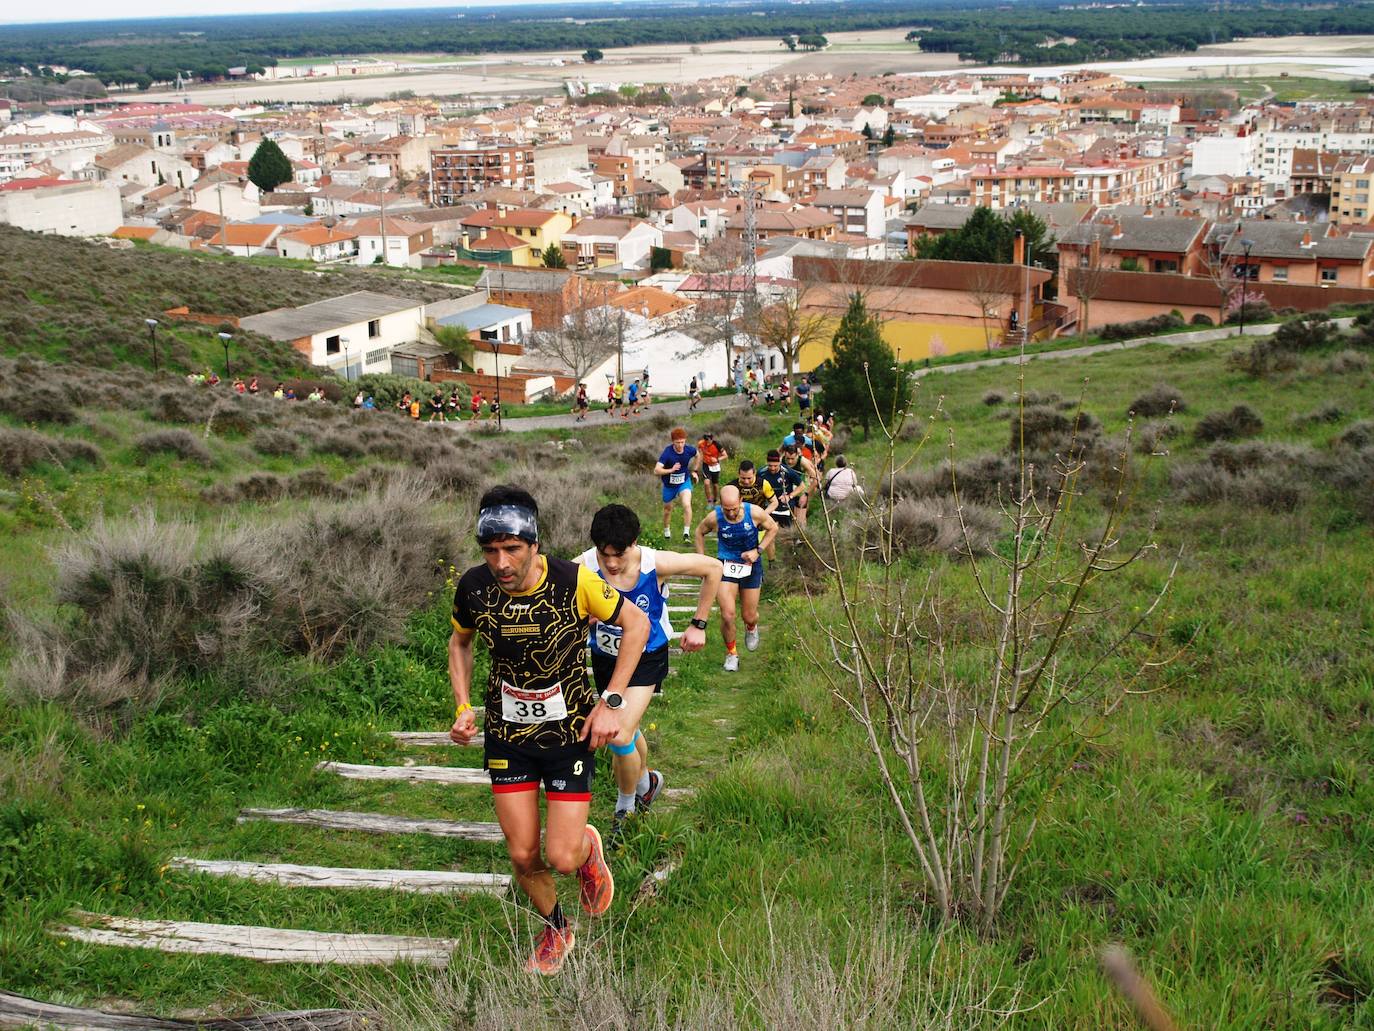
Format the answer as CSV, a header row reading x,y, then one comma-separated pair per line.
x,y
550,951
598,886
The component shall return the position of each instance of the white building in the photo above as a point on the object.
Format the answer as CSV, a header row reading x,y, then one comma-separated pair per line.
x,y
1226,155
62,207
352,335
600,242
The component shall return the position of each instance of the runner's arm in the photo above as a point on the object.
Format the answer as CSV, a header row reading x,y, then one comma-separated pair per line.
x,y
770,528
707,524
603,724
460,679
677,563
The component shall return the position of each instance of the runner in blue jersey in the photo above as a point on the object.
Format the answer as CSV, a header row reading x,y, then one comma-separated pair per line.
x,y
677,469
743,533
640,574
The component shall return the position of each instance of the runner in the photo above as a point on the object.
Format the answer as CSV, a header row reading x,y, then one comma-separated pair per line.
x,y
751,387
620,395
786,484
475,404
811,480
640,574
768,396
803,393
436,407
632,399
712,454
581,404
494,409
736,525
543,719
675,469
752,490
693,395
610,400
785,395
414,409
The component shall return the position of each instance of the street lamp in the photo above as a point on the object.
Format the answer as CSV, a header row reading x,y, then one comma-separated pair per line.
x,y
347,375
224,339
1246,243
496,349
152,339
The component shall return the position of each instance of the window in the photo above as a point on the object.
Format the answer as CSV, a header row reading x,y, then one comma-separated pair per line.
x,y
379,355
331,344
374,329
1280,273
1328,275
1361,184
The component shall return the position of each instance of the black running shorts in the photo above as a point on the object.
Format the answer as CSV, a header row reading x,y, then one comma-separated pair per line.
x,y
565,772
651,671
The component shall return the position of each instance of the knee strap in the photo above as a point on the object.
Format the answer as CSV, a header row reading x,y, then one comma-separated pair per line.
x,y
623,749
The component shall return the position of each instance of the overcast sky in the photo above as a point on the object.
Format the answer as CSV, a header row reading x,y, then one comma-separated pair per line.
x,y
89,10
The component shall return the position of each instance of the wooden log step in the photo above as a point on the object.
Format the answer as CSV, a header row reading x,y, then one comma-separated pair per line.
x,y
410,774
431,739
419,882
267,944
375,823
18,1011
679,794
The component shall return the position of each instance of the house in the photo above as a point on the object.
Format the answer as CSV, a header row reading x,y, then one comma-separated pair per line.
x,y
228,197
245,240
857,211
538,228
131,163
62,207
612,240
550,294
1299,254
318,243
395,241
352,334
495,247
1139,243
492,322
805,222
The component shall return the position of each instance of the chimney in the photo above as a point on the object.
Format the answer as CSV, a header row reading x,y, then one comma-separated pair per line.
x,y
1149,211
1307,239
1117,232
1018,249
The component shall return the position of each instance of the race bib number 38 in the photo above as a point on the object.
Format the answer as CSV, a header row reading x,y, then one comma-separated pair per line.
x,y
738,570
540,705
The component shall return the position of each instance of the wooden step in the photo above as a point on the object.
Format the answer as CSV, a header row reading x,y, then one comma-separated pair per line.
x,y
431,739
375,823
420,882
267,944
18,1011
410,774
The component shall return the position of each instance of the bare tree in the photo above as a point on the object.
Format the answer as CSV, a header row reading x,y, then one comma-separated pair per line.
x,y
976,704
1086,280
987,285
588,334
787,326
1221,271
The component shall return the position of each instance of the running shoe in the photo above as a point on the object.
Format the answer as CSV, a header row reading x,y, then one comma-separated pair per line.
x,y
598,886
642,802
732,664
751,639
667,534
618,826
550,951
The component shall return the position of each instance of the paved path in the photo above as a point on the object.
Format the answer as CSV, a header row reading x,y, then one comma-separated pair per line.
x,y
597,415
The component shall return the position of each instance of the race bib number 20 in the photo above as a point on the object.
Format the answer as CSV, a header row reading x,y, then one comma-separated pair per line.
x,y
539,705
607,641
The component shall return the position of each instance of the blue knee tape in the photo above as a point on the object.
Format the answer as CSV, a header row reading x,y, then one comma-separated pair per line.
x,y
623,749
637,736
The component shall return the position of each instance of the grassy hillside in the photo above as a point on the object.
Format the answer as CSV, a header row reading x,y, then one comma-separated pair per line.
x,y
1217,826
70,300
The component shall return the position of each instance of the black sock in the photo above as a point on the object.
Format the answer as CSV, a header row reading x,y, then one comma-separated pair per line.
x,y
556,919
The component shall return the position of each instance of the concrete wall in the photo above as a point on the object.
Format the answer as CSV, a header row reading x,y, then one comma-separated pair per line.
x,y
83,209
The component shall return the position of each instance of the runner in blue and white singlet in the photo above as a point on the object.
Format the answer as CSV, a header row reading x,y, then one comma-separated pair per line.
x,y
743,532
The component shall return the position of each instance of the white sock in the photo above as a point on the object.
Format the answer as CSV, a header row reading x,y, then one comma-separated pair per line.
x,y
643,785
625,803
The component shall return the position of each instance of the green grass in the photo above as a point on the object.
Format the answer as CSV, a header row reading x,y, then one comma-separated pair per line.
x,y
1283,88
1219,828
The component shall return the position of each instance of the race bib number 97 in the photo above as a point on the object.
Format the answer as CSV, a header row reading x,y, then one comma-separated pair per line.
x,y
540,705
738,570
607,641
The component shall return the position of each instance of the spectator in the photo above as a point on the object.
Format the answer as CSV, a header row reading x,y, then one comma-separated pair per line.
x,y
841,483
358,399
253,385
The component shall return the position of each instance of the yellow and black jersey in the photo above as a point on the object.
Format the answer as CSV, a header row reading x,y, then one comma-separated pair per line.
x,y
536,640
761,493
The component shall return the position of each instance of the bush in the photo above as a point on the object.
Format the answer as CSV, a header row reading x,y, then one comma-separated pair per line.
x,y
275,442
1271,488
344,443
21,450
993,398
1326,413
932,525
638,456
1240,421
1141,327
387,390
1151,438
1202,319
38,404
1263,359
1307,333
1161,399
1347,363
987,480
181,443
315,483
1259,455
1046,431
1249,312
175,404
747,425
255,487
1357,435
234,416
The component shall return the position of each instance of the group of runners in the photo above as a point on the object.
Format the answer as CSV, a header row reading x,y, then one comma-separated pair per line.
x,y
621,400
540,617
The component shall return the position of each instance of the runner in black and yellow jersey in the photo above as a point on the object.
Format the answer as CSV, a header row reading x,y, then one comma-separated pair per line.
x,y
543,718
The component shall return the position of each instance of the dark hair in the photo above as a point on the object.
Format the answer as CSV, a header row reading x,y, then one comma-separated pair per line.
x,y
774,454
841,462
503,494
797,427
746,466
615,526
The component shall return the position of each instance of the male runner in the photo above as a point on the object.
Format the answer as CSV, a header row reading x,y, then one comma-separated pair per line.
x,y
752,490
803,393
676,468
632,399
580,404
543,719
740,549
712,454
787,486
640,574
811,480
693,395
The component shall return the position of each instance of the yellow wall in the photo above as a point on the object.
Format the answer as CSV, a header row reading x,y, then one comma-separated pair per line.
x,y
910,340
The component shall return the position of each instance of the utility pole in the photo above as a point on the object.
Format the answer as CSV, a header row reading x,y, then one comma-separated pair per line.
x,y
383,231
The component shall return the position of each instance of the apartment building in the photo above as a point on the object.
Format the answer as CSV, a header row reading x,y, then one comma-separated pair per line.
x,y
455,172
1350,191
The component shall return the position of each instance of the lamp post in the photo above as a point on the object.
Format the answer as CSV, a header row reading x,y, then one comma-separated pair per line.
x,y
1245,243
347,375
224,339
152,339
496,349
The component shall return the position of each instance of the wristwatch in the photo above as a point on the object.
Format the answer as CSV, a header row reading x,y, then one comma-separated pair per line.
x,y
700,624
613,701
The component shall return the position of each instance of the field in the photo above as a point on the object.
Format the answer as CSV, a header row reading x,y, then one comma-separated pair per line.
x,y
1217,826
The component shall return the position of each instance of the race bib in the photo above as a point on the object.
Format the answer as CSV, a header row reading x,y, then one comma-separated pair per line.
x,y
675,478
540,705
738,570
714,468
607,639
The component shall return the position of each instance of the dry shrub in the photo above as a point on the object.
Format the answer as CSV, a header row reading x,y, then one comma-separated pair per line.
x,y
181,443
233,417
1033,398
176,404
985,480
637,456
932,525
993,398
1258,455
1264,358
38,403
454,476
1161,399
1357,435
1347,363
1240,421
315,483
799,566
275,442
255,487
21,450
1045,431
839,442
745,424
1326,413
1271,488
1152,437
661,422
735,448
343,443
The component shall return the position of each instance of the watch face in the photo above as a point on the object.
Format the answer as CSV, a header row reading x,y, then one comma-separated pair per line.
x,y
614,701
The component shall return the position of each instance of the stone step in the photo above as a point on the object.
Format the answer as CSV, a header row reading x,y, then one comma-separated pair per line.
x,y
375,823
267,944
421,882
